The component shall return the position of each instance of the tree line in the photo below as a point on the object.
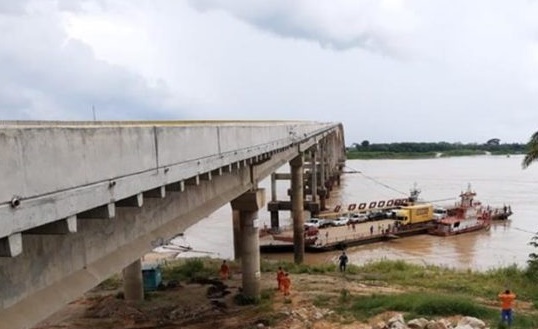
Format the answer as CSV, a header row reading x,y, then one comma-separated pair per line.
x,y
493,146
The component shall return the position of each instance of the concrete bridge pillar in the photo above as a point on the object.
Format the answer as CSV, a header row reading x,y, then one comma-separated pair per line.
x,y
323,178
247,206
275,223
133,285
237,234
297,213
314,171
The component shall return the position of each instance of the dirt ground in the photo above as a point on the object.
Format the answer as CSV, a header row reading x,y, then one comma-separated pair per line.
x,y
189,306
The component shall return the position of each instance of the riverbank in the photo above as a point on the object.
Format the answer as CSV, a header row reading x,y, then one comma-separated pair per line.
x,y
366,155
321,297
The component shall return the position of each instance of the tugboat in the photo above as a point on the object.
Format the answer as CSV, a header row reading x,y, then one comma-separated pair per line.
x,y
465,217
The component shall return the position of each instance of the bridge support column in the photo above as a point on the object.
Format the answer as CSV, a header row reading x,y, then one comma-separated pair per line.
x,y
314,175
275,223
323,178
237,234
247,206
297,213
133,285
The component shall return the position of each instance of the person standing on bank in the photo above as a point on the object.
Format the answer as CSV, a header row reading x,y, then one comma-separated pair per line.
x,y
224,271
507,298
279,276
286,284
342,260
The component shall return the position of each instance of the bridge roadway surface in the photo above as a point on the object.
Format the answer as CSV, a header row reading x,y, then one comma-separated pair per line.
x,y
80,201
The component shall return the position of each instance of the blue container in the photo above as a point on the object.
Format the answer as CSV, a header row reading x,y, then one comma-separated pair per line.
x,y
151,276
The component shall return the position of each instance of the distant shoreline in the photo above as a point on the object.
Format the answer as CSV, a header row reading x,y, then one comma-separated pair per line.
x,y
352,155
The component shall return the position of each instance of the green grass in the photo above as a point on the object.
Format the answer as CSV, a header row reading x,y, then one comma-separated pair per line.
x,y
415,304
428,305
431,291
190,269
298,268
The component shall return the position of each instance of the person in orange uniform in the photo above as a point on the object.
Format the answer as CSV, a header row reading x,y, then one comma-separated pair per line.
x,y
224,271
279,277
286,284
507,298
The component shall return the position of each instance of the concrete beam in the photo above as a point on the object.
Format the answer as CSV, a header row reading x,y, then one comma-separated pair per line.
x,y
62,226
138,167
206,176
309,143
250,201
104,212
11,246
159,193
136,201
193,181
228,168
282,176
176,187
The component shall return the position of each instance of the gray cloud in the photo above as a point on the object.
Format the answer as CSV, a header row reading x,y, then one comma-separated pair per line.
x,y
46,75
334,24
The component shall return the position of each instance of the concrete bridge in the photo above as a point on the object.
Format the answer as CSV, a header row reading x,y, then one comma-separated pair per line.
x,y
81,201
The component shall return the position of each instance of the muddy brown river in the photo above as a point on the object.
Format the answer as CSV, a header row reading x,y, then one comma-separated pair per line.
x,y
497,180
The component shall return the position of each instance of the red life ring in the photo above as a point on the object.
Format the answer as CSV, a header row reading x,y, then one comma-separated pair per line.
x,y
372,204
397,202
381,204
390,203
362,206
352,207
337,208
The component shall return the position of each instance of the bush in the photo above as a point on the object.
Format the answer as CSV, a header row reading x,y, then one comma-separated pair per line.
x,y
242,299
420,305
189,270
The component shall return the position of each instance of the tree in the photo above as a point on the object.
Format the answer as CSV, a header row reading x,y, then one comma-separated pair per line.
x,y
493,141
530,157
532,262
365,143
532,151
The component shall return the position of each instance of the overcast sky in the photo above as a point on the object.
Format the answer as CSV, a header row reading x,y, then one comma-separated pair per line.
x,y
389,70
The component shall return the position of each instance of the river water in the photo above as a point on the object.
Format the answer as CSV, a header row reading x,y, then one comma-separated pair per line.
x,y
497,180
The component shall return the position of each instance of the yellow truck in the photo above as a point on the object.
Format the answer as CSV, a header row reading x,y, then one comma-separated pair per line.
x,y
415,214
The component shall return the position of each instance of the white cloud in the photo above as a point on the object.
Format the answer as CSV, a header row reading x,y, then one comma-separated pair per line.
x,y
46,75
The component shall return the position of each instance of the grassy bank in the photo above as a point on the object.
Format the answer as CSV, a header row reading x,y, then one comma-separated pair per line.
x,y
415,291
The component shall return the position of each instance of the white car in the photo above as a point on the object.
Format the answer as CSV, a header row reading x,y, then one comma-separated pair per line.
x,y
317,222
341,221
358,218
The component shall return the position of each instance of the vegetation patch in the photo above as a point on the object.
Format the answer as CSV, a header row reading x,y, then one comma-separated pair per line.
x,y
189,270
416,304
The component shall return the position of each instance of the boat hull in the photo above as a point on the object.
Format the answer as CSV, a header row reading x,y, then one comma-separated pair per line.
x,y
443,231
